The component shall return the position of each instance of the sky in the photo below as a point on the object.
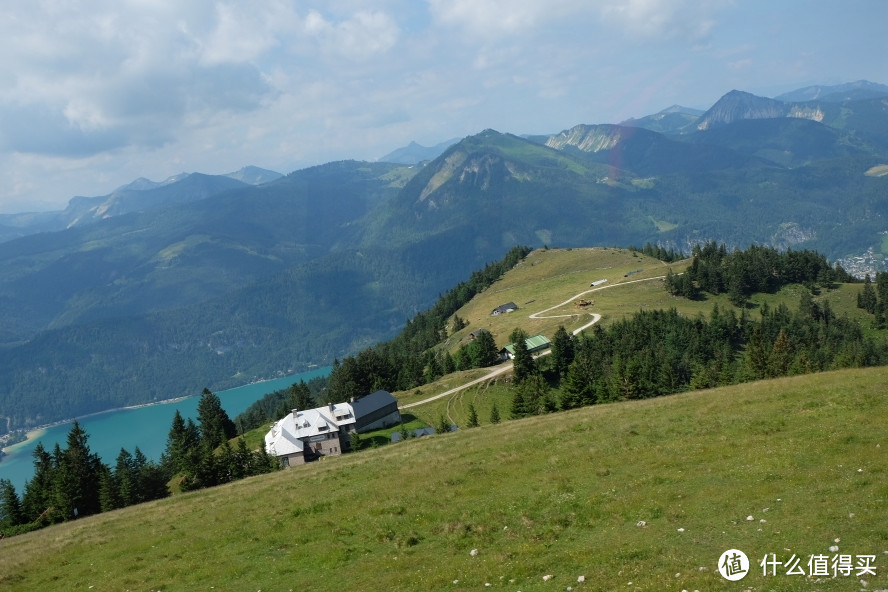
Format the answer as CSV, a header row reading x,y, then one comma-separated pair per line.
x,y
97,93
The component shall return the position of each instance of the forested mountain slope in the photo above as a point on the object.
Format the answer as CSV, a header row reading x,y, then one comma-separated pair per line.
x,y
257,280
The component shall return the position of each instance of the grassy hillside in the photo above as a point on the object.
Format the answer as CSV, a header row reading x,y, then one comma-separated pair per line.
x,y
641,495
548,283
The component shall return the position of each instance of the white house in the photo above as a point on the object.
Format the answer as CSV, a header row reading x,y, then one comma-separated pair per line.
x,y
307,435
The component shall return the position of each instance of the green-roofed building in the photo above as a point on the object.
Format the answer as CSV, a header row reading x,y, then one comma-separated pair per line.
x,y
534,344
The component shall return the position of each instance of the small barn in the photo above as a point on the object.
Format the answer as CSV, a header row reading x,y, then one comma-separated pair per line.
x,y
534,344
504,308
476,334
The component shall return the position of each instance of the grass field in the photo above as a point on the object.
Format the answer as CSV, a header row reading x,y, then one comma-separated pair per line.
x,y
641,495
554,276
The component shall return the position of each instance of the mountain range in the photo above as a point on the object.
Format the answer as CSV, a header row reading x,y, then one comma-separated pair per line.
x,y
160,289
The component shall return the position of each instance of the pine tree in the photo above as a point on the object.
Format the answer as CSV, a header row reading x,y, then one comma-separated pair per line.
x,y
519,406
11,513
562,351
472,421
531,397
37,496
125,479
781,355
215,425
494,414
523,363
182,442
483,351
449,365
866,299
355,441
299,397
76,484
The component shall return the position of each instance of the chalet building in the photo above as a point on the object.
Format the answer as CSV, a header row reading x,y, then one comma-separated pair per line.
x,y
304,436
504,308
534,344
476,334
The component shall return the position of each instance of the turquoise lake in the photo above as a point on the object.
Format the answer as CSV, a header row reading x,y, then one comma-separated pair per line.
x,y
145,427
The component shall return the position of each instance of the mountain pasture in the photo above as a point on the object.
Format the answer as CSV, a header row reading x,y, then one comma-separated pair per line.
x,y
649,492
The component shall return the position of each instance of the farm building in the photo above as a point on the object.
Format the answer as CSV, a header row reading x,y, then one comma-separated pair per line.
x,y
504,308
534,344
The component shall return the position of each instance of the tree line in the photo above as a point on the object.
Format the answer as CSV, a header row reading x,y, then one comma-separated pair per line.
x,y
73,482
739,274
873,298
661,352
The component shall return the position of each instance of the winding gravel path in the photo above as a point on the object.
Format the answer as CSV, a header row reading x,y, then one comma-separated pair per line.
x,y
537,315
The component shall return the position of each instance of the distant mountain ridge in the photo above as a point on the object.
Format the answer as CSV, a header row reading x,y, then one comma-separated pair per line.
x,y
850,91
156,291
139,195
414,153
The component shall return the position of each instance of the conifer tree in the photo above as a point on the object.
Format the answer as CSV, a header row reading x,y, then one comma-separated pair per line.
x,y
448,365
472,421
215,425
183,441
37,496
76,484
562,351
11,513
494,414
300,397
483,350
523,363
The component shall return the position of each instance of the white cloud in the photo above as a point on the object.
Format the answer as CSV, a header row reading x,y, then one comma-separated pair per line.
x,y
94,93
362,36
492,18
664,18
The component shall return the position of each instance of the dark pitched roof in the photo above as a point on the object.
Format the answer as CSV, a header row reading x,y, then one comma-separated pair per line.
x,y
509,306
372,402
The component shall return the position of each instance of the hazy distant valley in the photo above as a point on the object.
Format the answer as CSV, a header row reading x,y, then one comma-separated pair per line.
x,y
160,289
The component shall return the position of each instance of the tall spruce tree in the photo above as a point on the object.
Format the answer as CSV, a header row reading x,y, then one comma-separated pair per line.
x,y
37,497
76,484
562,351
483,351
183,442
11,513
523,363
215,425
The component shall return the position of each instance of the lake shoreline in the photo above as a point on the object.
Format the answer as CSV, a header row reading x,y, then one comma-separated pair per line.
x,y
39,431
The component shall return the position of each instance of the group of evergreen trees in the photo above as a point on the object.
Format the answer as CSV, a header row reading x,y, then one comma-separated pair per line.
x,y
661,352
740,274
200,453
668,255
73,482
875,300
274,406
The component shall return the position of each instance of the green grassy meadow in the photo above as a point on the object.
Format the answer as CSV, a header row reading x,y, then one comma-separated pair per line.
x,y
638,495
642,495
